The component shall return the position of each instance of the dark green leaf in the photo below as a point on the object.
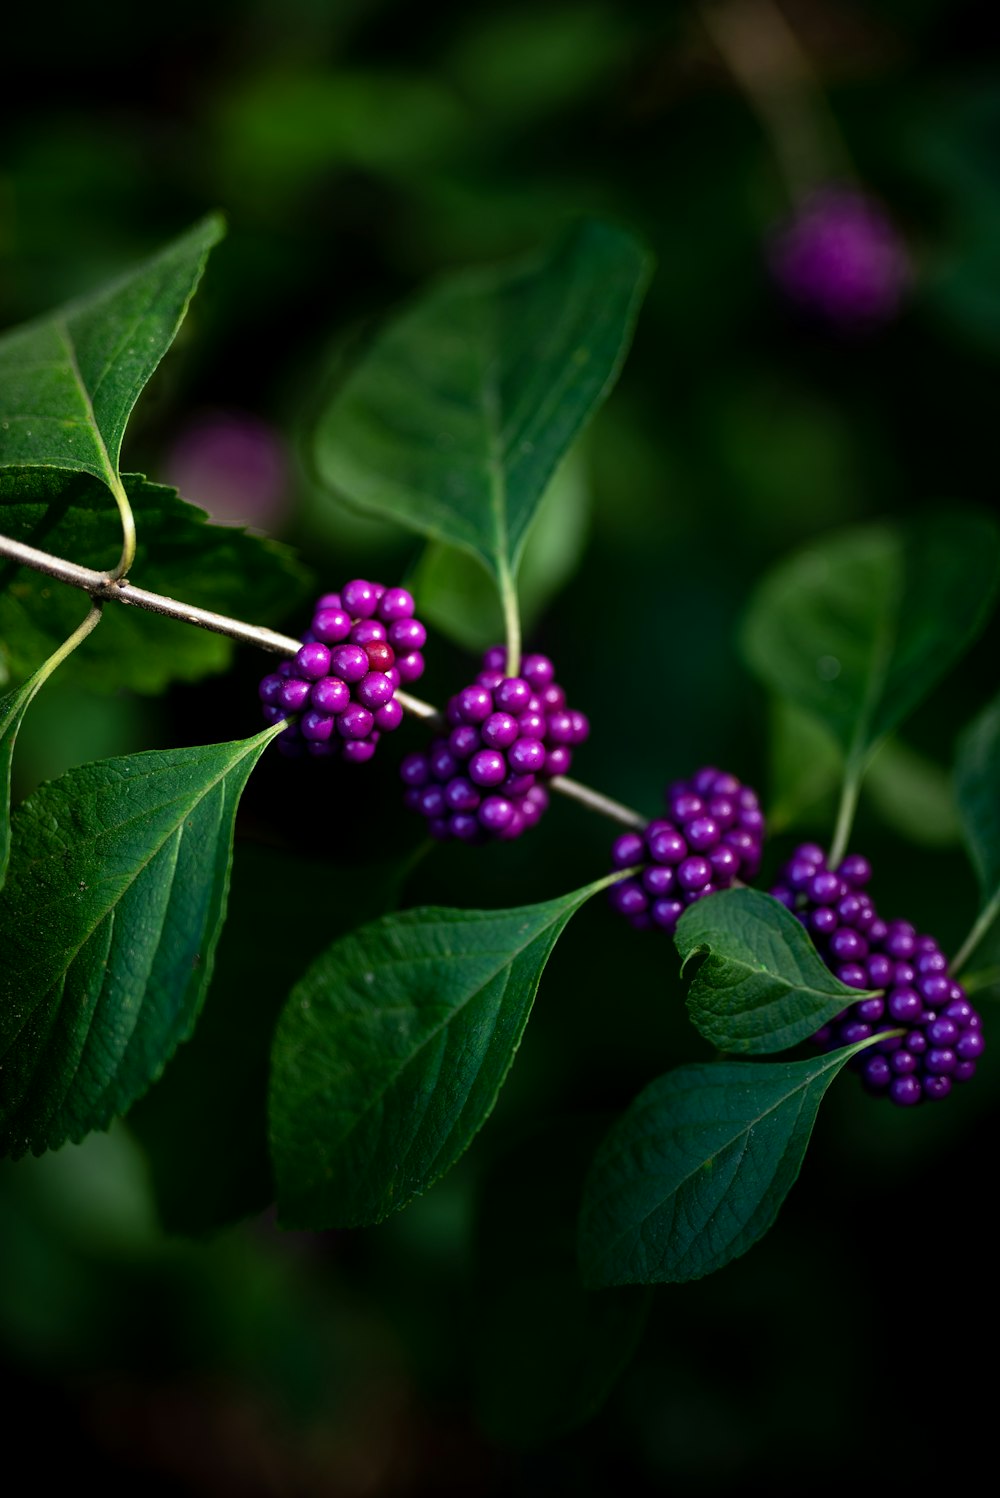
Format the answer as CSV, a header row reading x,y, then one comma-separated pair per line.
x,y
115,897
203,1126
913,795
12,709
762,986
694,1172
977,787
455,420
69,380
456,594
178,554
391,1051
857,629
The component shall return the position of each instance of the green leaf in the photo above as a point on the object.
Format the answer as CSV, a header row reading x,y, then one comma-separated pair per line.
x,y
13,706
115,897
69,380
391,1051
454,421
913,795
762,986
857,629
12,709
455,593
694,1172
977,788
178,554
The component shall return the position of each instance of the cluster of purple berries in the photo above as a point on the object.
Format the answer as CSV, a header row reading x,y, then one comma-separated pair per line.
x,y
506,736
842,259
942,1036
711,837
340,687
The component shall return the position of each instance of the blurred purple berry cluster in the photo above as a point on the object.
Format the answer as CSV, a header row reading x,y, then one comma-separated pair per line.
x,y
340,687
506,736
711,837
942,1037
841,259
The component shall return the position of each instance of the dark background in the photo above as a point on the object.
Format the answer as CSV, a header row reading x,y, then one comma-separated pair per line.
x,y
359,150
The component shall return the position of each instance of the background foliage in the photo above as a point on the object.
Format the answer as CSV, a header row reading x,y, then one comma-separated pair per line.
x,y
358,151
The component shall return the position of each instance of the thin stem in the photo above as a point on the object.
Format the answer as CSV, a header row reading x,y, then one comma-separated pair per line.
x,y
845,817
128,530
67,647
767,60
511,620
103,588
982,924
603,804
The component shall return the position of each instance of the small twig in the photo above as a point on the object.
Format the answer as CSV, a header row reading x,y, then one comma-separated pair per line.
x,y
102,587
603,804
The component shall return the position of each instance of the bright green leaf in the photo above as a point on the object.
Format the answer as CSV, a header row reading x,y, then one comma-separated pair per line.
x,y
178,554
694,1172
115,897
391,1051
456,418
69,380
858,628
761,986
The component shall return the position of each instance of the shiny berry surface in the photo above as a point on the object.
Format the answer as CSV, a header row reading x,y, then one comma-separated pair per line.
x,y
710,838
339,690
941,1035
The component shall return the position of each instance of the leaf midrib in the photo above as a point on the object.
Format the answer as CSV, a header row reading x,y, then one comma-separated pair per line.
x,y
110,470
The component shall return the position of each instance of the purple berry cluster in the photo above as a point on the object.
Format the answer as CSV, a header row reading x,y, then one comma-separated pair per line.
x,y
842,259
942,1036
711,837
484,779
340,687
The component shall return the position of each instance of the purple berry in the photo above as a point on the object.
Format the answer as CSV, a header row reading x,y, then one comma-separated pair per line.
x,y
942,1035
841,259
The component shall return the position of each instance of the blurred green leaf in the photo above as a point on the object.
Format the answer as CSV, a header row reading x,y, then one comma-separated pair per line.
x,y
457,595
115,897
694,1172
178,554
977,788
913,795
761,985
806,766
458,415
392,1049
858,628
69,380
